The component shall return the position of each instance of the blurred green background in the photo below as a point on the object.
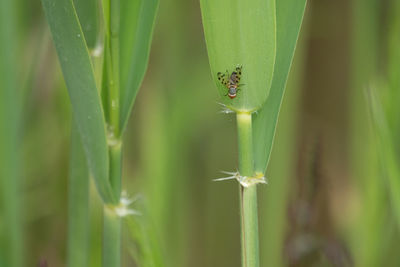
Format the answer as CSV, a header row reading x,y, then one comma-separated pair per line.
x,y
331,194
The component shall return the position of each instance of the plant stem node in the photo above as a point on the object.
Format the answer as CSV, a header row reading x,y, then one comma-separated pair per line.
x,y
245,181
122,208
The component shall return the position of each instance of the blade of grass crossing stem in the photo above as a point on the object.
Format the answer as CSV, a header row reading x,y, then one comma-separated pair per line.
x,y
10,228
78,187
289,16
79,77
137,25
78,204
241,33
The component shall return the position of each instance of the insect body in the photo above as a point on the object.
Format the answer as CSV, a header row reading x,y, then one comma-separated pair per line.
x,y
231,81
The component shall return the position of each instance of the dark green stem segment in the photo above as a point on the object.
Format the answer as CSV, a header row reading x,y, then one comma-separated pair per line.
x,y
111,238
78,203
111,54
116,168
248,195
112,221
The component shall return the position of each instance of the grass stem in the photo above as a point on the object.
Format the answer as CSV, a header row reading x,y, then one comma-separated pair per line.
x,y
112,62
112,222
115,168
248,195
111,238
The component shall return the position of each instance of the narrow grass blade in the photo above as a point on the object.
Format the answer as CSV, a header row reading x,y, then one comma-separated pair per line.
x,y
289,16
10,227
88,15
78,74
241,32
137,24
78,204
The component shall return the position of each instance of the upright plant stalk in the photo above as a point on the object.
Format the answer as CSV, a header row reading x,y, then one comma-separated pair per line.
x,y
248,195
258,45
112,221
113,92
112,18
98,119
111,238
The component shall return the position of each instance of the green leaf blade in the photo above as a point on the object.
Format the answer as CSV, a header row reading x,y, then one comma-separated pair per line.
x,y
87,11
241,32
137,25
289,15
78,204
79,78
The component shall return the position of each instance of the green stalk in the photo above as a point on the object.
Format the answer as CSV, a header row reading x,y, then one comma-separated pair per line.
x,y
111,238
112,76
112,222
248,195
115,168
78,204
112,65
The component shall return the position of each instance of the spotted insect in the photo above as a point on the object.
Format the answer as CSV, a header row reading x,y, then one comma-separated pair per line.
x,y
231,81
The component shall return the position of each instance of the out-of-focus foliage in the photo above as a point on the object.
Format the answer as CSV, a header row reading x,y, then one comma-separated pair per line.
x,y
373,127
11,250
328,201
